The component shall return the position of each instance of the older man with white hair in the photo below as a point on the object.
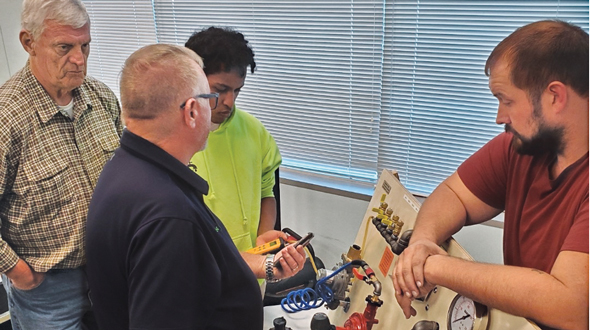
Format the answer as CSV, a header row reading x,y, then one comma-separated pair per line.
x,y
58,127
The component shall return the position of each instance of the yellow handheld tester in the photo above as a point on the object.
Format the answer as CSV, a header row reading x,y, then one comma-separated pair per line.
x,y
269,247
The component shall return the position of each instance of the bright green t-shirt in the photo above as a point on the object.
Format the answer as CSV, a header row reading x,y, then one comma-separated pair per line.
x,y
239,164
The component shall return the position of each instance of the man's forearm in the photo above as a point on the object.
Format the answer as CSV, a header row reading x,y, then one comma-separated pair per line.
x,y
450,206
441,215
268,215
23,277
256,263
290,261
20,271
520,291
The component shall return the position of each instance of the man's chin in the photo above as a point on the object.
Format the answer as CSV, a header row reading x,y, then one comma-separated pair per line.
x,y
219,118
546,142
516,142
74,82
531,148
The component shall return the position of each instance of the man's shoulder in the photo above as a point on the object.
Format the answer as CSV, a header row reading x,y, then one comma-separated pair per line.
x,y
98,88
248,118
249,123
502,141
98,93
15,100
136,179
127,170
13,89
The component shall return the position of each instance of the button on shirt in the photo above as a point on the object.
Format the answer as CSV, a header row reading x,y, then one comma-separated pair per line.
x,y
49,165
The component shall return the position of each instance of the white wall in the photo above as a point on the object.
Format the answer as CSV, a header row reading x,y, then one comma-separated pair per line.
x,y
483,242
335,221
12,55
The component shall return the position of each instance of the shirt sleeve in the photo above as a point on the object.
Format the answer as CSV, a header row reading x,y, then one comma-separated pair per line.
x,y
8,159
485,173
577,238
173,277
270,162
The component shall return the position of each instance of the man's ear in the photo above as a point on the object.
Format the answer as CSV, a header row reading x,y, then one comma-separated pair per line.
x,y
189,113
26,39
558,95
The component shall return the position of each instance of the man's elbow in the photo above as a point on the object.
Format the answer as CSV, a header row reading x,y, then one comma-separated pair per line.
x,y
575,318
581,323
578,321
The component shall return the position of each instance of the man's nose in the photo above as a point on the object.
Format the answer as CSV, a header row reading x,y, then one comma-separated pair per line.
x,y
228,99
77,56
502,117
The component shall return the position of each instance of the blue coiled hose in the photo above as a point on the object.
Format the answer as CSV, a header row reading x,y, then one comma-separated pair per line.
x,y
305,299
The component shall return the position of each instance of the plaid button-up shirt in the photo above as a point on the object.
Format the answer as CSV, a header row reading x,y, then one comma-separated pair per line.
x,y
49,165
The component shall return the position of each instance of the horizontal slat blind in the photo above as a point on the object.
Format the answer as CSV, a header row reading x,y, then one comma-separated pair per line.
x,y
317,87
348,88
118,28
437,108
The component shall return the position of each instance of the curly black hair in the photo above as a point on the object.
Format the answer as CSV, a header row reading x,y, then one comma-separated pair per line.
x,y
222,50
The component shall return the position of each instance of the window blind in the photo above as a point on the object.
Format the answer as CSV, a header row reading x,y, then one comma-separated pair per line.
x,y
437,109
346,87
118,28
317,87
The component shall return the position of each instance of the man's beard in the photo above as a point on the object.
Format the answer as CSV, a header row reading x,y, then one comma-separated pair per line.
x,y
547,140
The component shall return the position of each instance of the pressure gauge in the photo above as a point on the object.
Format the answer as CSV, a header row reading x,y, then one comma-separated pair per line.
x,y
466,314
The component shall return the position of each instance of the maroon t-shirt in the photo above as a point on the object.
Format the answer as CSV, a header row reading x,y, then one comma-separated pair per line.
x,y
542,216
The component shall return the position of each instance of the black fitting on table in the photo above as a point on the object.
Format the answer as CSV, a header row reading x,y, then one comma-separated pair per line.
x,y
280,323
320,321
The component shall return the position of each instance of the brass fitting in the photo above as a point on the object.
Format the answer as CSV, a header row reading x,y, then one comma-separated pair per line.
x,y
397,227
354,252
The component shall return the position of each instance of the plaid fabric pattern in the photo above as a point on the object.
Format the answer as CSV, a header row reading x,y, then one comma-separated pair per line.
x,y
49,165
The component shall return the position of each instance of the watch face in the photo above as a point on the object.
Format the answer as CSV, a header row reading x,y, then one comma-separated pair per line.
x,y
466,314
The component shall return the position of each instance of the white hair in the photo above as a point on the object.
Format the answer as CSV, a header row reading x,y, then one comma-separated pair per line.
x,y
64,12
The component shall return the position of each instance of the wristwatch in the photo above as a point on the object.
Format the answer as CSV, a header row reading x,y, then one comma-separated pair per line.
x,y
269,264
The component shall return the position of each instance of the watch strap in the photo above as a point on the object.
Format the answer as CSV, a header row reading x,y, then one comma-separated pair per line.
x,y
269,268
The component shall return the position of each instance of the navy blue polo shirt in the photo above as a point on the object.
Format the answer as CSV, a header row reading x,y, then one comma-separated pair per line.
x,y
157,257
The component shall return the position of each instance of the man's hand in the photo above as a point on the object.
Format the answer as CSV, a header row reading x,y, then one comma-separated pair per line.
x,y
405,301
270,235
23,277
408,273
291,261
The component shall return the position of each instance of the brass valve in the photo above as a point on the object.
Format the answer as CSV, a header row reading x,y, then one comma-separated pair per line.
x,y
389,212
354,253
397,228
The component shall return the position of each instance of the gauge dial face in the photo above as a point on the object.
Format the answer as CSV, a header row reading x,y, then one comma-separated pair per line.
x,y
465,314
462,314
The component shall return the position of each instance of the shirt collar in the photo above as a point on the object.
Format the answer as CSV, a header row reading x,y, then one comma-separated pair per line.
x,y
150,152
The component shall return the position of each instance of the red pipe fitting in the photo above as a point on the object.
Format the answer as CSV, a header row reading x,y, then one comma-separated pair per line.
x,y
358,321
